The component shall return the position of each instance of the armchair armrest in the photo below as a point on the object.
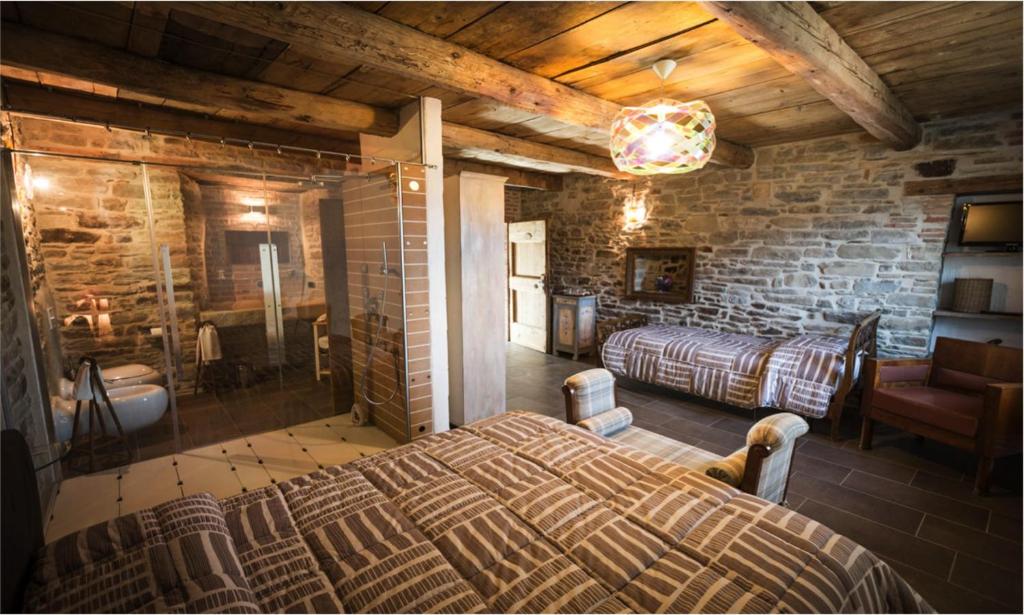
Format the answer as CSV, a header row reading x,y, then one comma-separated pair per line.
x,y
1002,422
729,469
884,373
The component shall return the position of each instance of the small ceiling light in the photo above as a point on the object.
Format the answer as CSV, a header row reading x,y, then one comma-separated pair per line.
x,y
414,185
663,136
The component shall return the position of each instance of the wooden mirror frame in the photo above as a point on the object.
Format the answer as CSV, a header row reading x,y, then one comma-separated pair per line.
x,y
685,296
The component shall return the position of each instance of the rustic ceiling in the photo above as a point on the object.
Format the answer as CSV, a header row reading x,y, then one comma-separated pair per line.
x,y
939,58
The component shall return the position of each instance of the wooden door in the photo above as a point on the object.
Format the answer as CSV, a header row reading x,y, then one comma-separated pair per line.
x,y
527,284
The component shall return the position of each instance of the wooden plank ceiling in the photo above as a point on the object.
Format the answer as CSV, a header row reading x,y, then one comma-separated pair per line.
x,y
940,58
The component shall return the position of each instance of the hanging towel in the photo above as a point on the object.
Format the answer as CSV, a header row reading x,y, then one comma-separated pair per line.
x,y
84,383
208,344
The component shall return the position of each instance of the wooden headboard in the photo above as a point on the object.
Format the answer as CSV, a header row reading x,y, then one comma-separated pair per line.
x,y
22,533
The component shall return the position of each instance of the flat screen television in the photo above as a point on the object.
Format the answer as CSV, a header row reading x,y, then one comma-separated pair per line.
x,y
991,224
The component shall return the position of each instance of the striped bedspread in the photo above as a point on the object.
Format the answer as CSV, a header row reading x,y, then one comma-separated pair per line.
x,y
798,375
519,513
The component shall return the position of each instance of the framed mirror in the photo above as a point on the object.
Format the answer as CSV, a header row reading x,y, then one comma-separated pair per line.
x,y
660,274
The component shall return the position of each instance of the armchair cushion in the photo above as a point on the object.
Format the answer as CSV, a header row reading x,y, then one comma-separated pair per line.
x,y
729,469
963,382
594,392
608,422
941,408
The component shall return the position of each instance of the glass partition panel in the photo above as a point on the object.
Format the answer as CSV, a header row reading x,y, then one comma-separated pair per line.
x,y
289,276
220,304
235,243
89,244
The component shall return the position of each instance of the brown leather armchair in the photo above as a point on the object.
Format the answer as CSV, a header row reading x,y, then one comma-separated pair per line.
x,y
968,395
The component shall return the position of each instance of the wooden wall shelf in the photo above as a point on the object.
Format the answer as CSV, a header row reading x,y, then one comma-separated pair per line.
x,y
993,253
979,315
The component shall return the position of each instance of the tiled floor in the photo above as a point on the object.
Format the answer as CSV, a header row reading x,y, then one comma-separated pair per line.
x,y
909,501
223,469
296,397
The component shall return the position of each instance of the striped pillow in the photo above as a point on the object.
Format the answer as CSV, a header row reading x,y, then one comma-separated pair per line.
x,y
729,469
609,422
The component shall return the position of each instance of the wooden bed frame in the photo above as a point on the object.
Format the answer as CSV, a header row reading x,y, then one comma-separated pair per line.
x,y
863,340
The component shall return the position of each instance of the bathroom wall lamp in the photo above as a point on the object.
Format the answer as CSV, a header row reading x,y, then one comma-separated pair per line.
x,y
40,183
252,216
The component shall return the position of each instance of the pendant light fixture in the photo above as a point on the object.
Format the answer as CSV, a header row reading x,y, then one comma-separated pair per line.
x,y
663,136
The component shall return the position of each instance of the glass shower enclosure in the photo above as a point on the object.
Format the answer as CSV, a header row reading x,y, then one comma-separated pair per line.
x,y
221,303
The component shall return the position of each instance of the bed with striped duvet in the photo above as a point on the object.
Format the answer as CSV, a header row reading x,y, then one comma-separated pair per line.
x,y
798,375
516,513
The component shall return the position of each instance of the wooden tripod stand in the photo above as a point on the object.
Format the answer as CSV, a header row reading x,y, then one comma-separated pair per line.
x,y
98,389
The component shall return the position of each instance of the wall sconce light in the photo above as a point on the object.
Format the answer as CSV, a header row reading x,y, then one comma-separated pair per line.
x,y
252,216
40,183
635,210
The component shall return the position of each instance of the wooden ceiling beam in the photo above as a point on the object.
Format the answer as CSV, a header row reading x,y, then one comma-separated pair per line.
x,y
336,32
246,101
492,147
517,178
804,43
94,64
38,100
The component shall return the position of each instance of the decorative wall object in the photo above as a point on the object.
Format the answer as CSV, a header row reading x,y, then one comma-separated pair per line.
x,y
660,274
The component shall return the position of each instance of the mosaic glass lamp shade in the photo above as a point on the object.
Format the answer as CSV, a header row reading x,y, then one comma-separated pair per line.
x,y
663,136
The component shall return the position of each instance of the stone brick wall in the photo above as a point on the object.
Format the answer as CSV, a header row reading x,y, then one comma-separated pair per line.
x,y
238,285
94,260
813,235
87,236
22,408
513,204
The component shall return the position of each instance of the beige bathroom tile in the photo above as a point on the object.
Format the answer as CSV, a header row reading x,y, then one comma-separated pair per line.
x,y
282,455
324,444
367,439
84,501
147,483
207,469
247,468
244,465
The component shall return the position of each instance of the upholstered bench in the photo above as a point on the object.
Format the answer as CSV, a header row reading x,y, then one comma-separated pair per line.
x,y
760,468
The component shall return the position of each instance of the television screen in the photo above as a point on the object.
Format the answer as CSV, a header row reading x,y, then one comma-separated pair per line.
x,y
991,224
